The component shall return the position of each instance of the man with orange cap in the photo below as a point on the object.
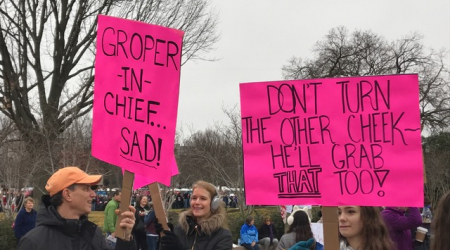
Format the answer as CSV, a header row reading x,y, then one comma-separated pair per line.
x,y
62,222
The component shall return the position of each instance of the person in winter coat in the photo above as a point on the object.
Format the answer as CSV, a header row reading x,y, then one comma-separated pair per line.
x,y
299,230
109,225
152,235
62,221
139,233
203,226
249,234
267,234
400,224
26,219
361,228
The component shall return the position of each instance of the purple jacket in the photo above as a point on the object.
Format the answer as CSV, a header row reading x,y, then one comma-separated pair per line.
x,y
400,226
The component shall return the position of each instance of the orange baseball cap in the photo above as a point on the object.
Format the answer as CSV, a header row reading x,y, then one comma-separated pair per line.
x,y
67,176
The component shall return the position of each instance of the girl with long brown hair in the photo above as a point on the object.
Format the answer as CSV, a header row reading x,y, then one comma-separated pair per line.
x,y
299,230
361,228
441,224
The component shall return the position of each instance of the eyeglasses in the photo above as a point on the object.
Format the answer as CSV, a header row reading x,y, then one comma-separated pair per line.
x,y
94,187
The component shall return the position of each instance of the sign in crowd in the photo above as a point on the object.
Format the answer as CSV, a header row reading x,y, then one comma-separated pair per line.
x,y
338,141
136,97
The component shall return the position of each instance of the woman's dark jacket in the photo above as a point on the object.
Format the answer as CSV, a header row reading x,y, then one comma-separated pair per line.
x,y
139,226
264,231
25,221
209,234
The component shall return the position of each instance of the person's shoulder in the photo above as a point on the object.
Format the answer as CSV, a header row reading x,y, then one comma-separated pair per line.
x,y
21,211
37,235
223,234
319,246
224,231
288,235
387,211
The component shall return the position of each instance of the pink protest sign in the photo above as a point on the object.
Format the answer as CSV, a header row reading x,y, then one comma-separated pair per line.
x,y
341,141
141,181
137,77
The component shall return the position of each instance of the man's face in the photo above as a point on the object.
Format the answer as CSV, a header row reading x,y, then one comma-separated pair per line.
x,y
81,199
118,197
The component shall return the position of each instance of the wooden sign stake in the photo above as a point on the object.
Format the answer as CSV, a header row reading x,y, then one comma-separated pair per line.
x,y
158,205
330,227
127,187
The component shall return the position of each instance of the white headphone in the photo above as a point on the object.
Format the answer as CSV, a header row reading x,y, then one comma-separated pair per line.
x,y
215,202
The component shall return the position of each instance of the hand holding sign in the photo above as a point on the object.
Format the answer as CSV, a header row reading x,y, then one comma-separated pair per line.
x,y
135,106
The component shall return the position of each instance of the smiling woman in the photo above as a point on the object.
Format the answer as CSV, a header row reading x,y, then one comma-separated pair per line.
x,y
203,226
362,228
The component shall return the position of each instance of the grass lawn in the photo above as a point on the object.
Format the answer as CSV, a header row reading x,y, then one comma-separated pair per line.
x,y
97,217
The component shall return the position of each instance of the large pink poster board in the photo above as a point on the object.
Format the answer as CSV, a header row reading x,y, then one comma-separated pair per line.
x,y
141,181
340,141
137,77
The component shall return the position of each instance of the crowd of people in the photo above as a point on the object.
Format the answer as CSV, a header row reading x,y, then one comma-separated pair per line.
x,y
62,223
13,199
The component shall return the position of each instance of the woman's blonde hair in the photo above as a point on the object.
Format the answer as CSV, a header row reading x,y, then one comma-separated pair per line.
x,y
207,186
27,200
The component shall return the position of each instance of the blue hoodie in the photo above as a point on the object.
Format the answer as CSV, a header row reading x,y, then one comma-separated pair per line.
x,y
249,234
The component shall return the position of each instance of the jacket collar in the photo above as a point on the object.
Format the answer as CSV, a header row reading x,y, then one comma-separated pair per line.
x,y
49,216
208,226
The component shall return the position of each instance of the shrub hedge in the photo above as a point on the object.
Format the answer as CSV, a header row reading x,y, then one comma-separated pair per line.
x,y
7,238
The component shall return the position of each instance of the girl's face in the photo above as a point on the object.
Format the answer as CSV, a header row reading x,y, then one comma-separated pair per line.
x,y
201,203
350,223
144,201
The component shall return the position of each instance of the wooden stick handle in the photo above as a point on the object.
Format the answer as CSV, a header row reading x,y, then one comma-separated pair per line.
x,y
158,205
127,187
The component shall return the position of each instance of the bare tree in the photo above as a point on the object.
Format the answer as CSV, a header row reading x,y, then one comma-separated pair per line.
x,y
437,159
6,129
365,53
47,61
194,17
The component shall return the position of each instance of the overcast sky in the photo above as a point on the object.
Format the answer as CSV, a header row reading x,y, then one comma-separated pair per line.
x,y
258,37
